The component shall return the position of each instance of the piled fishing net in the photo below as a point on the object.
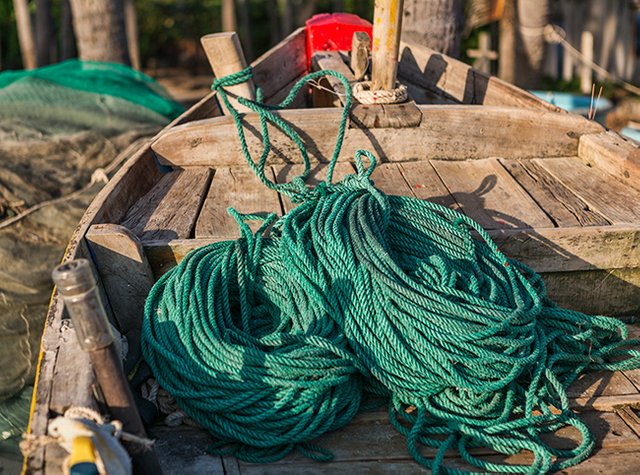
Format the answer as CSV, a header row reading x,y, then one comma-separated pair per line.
x,y
63,130
271,342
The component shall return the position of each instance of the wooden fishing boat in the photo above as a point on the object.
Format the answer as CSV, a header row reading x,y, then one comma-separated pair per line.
x,y
553,189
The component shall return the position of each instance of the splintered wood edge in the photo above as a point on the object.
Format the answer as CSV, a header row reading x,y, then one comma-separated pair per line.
x,y
612,153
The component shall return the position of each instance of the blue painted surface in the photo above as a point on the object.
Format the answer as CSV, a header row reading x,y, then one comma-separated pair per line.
x,y
574,102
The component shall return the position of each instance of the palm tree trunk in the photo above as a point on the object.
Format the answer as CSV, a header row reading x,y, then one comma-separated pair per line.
x,y
436,24
44,32
100,30
25,34
229,15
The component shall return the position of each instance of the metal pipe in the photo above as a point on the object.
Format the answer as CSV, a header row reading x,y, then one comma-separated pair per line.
x,y
76,284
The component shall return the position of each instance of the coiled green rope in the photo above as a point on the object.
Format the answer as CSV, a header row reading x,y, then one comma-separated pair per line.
x,y
270,342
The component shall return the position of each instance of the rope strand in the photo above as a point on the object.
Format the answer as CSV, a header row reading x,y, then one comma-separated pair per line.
x,y
271,342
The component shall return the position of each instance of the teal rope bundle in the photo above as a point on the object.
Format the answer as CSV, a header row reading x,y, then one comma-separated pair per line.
x,y
271,342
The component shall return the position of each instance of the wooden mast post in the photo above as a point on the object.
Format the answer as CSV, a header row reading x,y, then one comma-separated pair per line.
x,y
225,55
387,23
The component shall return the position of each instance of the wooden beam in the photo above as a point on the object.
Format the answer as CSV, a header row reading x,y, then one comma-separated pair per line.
x,y
225,56
614,154
360,51
488,132
457,81
281,64
126,275
387,23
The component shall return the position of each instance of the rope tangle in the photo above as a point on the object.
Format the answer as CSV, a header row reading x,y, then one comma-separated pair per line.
x,y
270,342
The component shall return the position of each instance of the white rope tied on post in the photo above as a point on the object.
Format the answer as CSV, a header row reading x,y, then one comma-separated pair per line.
x,y
363,93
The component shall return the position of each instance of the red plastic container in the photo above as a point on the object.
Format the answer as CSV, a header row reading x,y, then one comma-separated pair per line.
x,y
333,32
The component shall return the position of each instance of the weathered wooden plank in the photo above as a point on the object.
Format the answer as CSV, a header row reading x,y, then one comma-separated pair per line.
x,y
426,184
614,154
298,102
360,52
500,132
273,70
617,202
226,57
377,442
332,93
154,216
335,96
241,189
388,178
630,417
573,249
126,275
602,383
70,387
600,292
487,193
318,173
455,79
371,116
183,450
562,206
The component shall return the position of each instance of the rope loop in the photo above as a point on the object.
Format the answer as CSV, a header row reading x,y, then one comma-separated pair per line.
x,y
271,343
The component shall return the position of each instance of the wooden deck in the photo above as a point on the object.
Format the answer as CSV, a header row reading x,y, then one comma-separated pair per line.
x,y
559,198
369,444
559,215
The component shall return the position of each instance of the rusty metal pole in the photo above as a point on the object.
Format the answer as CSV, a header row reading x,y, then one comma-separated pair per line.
x,y
77,286
387,24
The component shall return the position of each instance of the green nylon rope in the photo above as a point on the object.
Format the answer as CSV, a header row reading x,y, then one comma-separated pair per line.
x,y
271,342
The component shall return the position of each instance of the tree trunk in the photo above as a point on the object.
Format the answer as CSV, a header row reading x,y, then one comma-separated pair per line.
x,y
245,29
45,41
532,17
25,34
67,41
436,24
131,27
229,15
100,30
507,43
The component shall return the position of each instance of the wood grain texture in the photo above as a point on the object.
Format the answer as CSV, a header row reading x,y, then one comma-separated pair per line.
x,y
277,67
614,154
70,357
572,249
318,173
126,275
425,183
226,57
155,215
388,178
596,292
238,188
488,194
445,132
562,206
612,199
298,102
377,116
330,60
458,81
